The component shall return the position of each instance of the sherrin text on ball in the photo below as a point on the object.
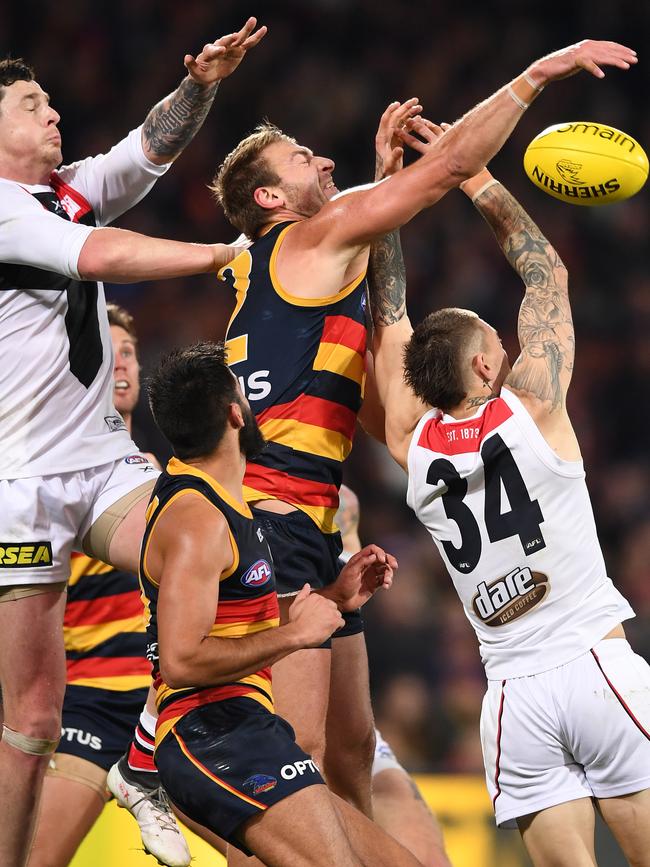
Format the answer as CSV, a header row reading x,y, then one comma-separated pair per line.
x,y
586,163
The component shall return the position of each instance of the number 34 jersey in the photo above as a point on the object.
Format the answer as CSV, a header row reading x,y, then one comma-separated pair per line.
x,y
515,528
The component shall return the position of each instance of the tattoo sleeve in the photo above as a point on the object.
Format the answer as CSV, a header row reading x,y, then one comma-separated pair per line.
x,y
545,326
175,120
387,280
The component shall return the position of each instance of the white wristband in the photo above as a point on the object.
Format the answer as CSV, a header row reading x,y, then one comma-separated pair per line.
x,y
538,87
520,102
486,186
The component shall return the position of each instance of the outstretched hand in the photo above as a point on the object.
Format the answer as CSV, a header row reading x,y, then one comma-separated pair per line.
x,y
367,571
220,58
389,153
589,54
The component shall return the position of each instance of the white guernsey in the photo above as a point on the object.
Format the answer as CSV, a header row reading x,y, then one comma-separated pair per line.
x,y
514,525
56,358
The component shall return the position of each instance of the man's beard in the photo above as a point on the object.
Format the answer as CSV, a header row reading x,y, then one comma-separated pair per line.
x,y
251,441
306,202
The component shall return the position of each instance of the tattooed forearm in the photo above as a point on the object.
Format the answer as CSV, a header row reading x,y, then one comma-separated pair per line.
x,y
545,326
387,280
175,120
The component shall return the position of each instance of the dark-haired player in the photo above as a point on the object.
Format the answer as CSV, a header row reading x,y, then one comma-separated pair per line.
x,y
297,342
64,483
225,758
496,476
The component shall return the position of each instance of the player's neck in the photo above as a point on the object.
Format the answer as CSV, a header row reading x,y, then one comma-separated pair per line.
x,y
470,404
226,466
282,215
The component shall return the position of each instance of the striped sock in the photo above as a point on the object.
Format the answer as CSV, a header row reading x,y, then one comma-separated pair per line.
x,y
140,754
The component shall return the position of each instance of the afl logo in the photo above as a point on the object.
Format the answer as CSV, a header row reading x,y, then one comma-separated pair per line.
x,y
257,575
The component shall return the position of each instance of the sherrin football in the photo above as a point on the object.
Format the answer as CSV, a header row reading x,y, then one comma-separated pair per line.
x,y
586,163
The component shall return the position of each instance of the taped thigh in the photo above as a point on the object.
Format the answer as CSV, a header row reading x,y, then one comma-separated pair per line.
x,y
21,591
28,744
97,541
79,770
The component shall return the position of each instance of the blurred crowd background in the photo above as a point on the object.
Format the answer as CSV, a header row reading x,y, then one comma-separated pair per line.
x,y
324,73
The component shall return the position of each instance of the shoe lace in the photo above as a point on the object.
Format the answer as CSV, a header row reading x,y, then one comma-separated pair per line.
x,y
159,802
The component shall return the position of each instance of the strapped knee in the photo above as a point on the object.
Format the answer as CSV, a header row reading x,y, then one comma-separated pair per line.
x,y
27,744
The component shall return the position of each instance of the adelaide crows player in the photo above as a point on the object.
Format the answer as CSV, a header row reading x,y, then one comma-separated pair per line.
x,y
297,342
225,758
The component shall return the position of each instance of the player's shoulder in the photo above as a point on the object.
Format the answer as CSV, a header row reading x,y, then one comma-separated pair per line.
x,y
189,517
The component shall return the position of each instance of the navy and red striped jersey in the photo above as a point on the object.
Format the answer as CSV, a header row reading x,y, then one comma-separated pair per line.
x,y
302,365
247,600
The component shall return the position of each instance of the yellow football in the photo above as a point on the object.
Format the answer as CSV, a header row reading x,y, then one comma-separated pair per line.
x,y
586,163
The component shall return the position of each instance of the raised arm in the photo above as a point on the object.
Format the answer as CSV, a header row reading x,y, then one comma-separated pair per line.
x,y
542,373
392,330
468,145
172,124
545,327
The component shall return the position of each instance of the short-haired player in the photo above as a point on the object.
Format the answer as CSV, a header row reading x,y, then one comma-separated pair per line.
x,y
496,476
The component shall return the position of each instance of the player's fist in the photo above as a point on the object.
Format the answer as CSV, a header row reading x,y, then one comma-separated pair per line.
x,y
313,618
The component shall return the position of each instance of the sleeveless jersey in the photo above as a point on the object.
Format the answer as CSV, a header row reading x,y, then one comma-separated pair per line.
x,y
301,364
56,357
247,600
103,628
515,528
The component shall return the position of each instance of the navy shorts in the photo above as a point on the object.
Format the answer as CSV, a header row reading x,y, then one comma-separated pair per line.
x,y
98,724
301,552
228,761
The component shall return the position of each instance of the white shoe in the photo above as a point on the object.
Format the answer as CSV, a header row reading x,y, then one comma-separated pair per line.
x,y
161,836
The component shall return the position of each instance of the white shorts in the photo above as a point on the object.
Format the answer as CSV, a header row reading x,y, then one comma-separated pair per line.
x,y
578,731
44,518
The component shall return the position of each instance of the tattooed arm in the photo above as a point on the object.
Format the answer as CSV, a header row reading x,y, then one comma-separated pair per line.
x,y
175,120
392,330
545,326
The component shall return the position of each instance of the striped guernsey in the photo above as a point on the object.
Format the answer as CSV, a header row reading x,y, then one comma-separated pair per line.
x,y
301,364
247,600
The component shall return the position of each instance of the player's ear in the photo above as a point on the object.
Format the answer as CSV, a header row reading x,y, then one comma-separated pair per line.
x,y
236,416
480,366
268,197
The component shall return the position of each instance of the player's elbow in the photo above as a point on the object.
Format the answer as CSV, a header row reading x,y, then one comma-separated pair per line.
x,y
177,671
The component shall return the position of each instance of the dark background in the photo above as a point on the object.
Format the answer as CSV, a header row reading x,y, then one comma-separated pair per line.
x,y
324,73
